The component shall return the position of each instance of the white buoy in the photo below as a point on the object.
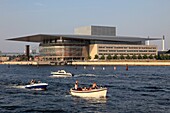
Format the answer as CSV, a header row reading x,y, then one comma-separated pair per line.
x,y
103,68
93,68
84,67
114,67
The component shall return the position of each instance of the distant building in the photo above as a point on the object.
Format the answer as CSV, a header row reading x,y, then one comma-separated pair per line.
x,y
89,41
4,58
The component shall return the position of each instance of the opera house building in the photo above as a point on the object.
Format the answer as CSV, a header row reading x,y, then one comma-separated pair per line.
x,y
89,41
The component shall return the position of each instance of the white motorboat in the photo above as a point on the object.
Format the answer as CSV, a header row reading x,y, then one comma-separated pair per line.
x,y
61,73
37,86
91,93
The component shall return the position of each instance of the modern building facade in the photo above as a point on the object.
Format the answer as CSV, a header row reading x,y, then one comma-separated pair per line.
x,y
119,50
89,41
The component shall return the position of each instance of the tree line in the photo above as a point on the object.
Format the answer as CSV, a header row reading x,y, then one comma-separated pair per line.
x,y
109,57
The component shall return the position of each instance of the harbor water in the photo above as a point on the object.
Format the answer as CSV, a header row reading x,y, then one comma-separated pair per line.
x,y
140,89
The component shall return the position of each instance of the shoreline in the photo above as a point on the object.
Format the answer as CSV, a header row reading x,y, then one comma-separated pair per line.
x,y
124,63
97,63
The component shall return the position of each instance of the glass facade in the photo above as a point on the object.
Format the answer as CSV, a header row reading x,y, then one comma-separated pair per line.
x,y
64,49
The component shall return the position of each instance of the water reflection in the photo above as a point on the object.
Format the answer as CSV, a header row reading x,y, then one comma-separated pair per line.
x,y
90,100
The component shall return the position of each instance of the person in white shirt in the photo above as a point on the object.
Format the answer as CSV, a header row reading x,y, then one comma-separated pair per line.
x,y
76,85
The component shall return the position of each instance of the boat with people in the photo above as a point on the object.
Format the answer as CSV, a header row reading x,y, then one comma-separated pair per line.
x,y
36,86
61,73
91,92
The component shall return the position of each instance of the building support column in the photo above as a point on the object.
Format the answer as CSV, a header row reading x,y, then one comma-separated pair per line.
x,y
27,52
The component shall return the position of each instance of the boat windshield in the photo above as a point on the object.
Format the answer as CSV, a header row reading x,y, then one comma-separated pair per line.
x,y
61,71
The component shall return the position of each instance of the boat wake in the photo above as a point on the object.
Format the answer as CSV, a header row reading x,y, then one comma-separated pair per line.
x,y
96,100
115,75
86,75
19,87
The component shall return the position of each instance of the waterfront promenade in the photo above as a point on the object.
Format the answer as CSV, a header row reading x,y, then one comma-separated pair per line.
x,y
26,63
113,62
124,62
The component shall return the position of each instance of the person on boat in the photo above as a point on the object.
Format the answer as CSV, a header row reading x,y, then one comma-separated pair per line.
x,y
32,81
84,89
76,85
94,86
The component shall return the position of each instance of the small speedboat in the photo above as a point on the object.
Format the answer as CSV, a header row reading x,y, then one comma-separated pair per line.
x,y
90,93
61,73
37,86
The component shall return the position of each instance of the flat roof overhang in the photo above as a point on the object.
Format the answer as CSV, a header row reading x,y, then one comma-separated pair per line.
x,y
41,37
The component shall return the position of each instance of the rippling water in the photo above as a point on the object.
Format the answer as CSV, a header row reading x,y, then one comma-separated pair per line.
x,y
141,89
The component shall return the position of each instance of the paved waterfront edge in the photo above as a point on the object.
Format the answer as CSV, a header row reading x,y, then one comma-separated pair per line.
x,y
131,63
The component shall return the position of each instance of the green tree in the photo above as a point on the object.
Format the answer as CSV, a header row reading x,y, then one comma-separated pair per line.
x,y
134,56
102,57
150,56
109,57
166,57
89,57
128,57
23,57
122,57
162,57
159,57
139,57
156,57
115,56
145,56
96,57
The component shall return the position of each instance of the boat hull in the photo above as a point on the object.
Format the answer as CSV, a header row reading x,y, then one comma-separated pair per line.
x,y
38,86
93,93
58,76
55,74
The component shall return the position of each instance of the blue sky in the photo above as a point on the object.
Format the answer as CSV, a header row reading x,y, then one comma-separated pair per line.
x,y
141,18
